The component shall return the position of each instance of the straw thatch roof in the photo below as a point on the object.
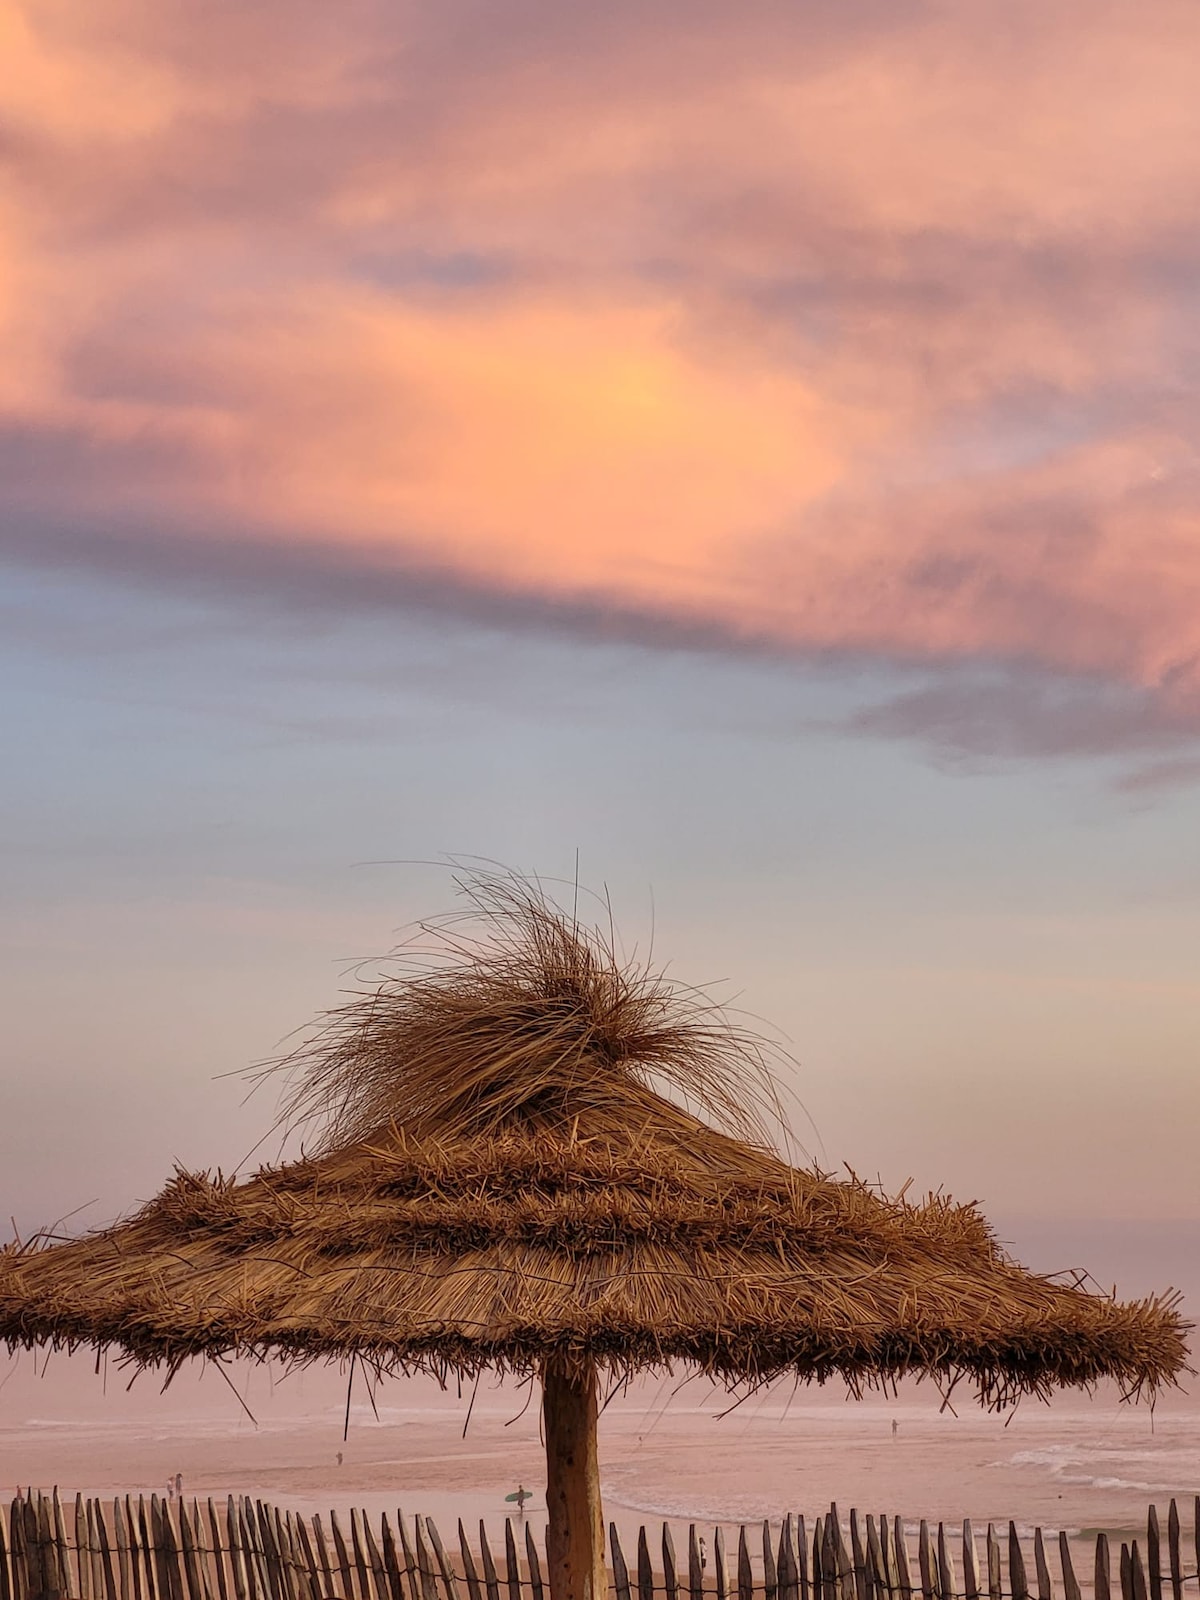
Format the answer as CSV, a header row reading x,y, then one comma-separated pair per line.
x,y
501,1181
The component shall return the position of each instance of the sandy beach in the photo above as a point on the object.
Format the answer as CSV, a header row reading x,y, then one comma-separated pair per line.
x,y
665,1455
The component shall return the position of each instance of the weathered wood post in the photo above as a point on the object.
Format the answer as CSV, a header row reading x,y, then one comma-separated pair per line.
x,y
575,1536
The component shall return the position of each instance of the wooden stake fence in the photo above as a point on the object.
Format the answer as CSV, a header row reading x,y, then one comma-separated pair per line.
x,y
250,1550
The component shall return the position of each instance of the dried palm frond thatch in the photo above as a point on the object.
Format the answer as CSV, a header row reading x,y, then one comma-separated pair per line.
x,y
498,1179
524,1017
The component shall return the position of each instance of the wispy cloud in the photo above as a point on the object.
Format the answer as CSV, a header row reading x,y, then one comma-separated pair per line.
x,y
979,713
864,330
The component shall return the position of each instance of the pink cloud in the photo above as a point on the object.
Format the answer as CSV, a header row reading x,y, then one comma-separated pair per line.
x,y
867,333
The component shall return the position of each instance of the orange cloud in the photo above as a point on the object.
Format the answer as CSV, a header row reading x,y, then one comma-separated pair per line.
x,y
564,447
868,333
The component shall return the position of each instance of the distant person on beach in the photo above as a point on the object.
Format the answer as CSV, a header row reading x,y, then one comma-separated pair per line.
x,y
895,1427
170,1488
703,1555
179,1486
339,1458
521,1496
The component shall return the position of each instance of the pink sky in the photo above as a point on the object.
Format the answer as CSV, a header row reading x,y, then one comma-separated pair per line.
x,y
864,329
752,445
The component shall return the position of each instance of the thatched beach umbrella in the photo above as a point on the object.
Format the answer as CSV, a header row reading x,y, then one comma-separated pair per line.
x,y
507,1179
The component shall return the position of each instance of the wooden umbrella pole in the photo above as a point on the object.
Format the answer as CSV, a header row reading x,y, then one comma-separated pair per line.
x,y
575,1537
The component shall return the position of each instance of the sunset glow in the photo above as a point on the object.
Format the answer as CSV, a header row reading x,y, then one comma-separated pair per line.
x,y
792,331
